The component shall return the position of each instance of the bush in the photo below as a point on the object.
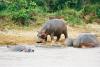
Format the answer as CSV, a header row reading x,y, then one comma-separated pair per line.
x,y
26,11
3,5
21,11
21,16
90,9
91,12
98,12
71,16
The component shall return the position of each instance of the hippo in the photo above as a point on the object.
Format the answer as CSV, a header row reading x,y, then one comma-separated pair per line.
x,y
53,27
69,42
86,40
20,48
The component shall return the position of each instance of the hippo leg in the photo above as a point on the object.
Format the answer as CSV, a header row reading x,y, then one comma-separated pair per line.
x,y
46,39
65,34
58,37
52,36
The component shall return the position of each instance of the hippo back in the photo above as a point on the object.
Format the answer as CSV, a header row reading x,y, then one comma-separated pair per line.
x,y
54,25
85,38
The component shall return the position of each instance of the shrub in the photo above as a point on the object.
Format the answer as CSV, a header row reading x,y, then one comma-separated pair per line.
x,y
21,16
98,12
91,12
71,16
90,9
21,11
3,5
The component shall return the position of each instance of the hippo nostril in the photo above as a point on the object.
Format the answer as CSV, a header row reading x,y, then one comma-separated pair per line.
x,y
20,50
32,50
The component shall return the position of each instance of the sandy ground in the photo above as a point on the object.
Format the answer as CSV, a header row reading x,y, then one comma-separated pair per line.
x,y
30,36
51,57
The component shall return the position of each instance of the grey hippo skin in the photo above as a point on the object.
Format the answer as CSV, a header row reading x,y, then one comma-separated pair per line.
x,y
20,48
53,27
69,42
86,40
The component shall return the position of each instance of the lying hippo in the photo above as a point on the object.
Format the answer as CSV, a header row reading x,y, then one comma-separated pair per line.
x,y
53,27
20,48
86,40
69,42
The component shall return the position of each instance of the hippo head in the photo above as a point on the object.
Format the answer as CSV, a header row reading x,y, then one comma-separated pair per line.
x,y
87,45
42,36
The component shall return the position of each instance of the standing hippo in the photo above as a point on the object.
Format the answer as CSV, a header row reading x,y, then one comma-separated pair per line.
x,y
53,27
86,40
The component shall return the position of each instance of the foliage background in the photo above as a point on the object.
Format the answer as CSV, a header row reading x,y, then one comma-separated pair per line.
x,y
26,12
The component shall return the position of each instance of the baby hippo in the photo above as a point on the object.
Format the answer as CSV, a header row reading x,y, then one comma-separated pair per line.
x,y
20,48
86,40
69,42
53,27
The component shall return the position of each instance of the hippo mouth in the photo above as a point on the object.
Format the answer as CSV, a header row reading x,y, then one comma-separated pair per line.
x,y
87,45
43,36
40,40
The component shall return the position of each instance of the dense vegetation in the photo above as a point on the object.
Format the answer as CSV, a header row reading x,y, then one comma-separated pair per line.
x,y
25,12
